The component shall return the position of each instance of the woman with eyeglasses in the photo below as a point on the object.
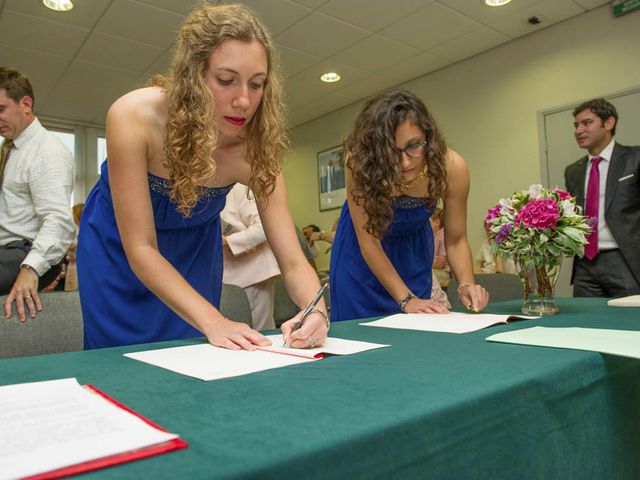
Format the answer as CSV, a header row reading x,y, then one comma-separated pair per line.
x,y
398,169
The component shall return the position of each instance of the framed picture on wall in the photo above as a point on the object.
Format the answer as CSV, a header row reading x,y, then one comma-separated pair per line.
x,y
331,185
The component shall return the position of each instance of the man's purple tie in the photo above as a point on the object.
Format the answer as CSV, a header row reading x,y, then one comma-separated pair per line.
x,y
591,208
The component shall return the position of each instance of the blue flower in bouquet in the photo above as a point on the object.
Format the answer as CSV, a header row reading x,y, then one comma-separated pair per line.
x,y
538,221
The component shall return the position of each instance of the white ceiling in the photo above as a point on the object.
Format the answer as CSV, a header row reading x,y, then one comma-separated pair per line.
x,y
80,61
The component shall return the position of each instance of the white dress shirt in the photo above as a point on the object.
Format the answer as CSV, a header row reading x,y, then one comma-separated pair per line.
x,y
35,197
605,237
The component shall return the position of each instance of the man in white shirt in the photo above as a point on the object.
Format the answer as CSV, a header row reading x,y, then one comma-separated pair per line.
x,y
607,183
248,259
36,178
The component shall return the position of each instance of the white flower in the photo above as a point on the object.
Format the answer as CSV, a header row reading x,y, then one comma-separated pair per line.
x,y
568,208
506,207
536,191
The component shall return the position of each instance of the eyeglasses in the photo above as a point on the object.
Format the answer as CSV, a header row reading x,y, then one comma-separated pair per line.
x,y
413,150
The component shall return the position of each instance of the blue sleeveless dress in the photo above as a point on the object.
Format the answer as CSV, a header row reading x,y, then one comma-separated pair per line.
x,y
116,307
355,291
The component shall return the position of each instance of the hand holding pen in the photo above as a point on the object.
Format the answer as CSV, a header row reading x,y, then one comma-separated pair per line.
x,y
313,336
474,297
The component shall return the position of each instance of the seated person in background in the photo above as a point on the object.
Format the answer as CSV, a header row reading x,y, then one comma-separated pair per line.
x,y
321,235
441,267
248,261
67,279
490,263
304,245
309,233
150,245
398,166
71,278
437,293
36,179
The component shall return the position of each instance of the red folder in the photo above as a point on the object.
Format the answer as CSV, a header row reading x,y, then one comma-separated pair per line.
x,y
151,450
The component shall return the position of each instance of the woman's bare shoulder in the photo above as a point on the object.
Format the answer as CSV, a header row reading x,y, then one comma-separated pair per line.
x,y
143,104
451,156
454,161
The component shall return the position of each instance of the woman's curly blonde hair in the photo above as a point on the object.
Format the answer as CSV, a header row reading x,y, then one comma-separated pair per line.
x,y
374,160
191,134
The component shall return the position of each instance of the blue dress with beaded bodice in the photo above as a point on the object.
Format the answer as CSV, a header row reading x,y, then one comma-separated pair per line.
x,y
355,291
117,308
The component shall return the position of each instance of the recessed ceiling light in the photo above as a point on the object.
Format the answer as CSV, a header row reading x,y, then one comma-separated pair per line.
x,y
496,3
58,5
330,77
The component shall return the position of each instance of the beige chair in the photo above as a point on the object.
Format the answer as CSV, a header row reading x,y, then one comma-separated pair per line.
x,y
234,304
58,328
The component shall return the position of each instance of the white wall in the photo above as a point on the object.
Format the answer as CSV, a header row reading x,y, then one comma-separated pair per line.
x,y
487,107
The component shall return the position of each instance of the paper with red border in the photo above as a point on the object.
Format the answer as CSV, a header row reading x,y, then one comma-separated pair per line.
x,y
206,362
115,459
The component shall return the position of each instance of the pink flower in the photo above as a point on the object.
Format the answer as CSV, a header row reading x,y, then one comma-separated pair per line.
x,y
562,195
491,214
540,214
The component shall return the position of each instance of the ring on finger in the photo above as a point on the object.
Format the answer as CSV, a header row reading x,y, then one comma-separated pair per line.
x,y
27,296
311,341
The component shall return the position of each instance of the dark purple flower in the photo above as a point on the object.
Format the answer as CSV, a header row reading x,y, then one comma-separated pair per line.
x,y
542,213
504,232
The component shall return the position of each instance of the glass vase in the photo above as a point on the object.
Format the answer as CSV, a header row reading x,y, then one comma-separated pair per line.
x,y
538,274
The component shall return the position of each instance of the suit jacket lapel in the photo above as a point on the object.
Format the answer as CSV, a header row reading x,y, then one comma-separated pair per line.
x,y
581,175
615,171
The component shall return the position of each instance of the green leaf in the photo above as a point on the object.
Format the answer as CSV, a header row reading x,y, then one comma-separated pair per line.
x,y
573,233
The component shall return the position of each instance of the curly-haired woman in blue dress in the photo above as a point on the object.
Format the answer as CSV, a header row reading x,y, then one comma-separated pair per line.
x,y
150,246
398,169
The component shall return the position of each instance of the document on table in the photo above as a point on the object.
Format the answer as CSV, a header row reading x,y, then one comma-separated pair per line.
x,y
206,362
448,323
615,342
631,301
59,427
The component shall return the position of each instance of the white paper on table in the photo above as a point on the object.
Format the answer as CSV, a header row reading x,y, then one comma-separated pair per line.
x,y
331,346
49,425
452,322
615,342
630,301
207,362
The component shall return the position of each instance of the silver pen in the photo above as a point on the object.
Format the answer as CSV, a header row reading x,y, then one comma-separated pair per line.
x,y
310,307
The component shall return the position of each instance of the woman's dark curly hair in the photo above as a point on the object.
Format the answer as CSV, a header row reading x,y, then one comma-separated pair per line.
x,y
374,160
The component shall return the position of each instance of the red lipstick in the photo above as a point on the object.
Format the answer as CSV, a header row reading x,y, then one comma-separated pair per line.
x,y
238,121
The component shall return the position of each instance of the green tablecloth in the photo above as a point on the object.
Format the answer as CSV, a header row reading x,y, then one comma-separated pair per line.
x,y
433,405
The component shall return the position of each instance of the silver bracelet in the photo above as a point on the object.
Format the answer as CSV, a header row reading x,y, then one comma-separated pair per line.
x,y
326,319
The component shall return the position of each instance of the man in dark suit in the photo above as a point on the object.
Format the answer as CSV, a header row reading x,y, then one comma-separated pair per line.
x,y
607,183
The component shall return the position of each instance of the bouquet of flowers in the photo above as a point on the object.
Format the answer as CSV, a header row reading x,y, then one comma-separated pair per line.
x,y
537,227
539,222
